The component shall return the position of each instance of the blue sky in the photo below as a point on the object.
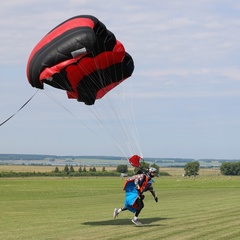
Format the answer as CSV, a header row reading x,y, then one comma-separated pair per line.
x,y
184,92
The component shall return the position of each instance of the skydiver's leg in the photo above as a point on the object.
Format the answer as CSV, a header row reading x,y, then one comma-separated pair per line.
x,y
123,209
117,211
140,204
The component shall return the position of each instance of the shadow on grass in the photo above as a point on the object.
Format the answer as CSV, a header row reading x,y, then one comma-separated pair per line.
x,y
144,221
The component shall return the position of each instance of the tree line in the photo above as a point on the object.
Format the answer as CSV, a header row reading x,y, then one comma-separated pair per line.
x,y
191,169
70,171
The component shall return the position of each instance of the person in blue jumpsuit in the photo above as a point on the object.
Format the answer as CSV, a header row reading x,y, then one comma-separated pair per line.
x,y
134,188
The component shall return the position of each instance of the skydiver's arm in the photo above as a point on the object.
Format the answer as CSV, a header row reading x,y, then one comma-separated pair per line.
x,y
153,193
137,179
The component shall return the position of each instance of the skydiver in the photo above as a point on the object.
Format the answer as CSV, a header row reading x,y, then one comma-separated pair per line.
x,y
134,187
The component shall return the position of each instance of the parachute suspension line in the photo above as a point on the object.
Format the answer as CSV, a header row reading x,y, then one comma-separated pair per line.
x,y
120,109
96,116
100,116
113,136
125,115
134,122
19,108
129,117
121,113
66,109
123,123
129,123
110,106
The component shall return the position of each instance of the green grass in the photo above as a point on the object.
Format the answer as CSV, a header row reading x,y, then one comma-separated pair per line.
x,y
81,208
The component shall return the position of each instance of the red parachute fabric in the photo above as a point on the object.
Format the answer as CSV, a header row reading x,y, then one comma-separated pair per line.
x,y
135,161
82,57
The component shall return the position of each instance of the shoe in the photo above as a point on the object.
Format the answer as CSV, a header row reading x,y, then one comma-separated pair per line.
x,y
136,222
115,213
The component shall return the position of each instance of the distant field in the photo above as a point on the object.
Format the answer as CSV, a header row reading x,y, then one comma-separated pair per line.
x,y
205,207
31,168
203,171
40,168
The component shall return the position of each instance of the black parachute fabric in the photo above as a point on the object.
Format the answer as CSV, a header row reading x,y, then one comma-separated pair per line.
x,y
82,57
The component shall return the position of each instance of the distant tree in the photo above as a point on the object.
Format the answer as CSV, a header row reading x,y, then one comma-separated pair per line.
x,y
228,168
236,167
144,166
92,169
192,168
157,168
122,168
80,169
103,169
66,169
71,169
56,170
84,169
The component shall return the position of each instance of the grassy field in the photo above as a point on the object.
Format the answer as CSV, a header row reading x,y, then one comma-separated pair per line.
x,y
206,207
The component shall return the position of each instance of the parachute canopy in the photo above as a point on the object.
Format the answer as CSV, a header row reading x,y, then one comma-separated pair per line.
x,y
82,57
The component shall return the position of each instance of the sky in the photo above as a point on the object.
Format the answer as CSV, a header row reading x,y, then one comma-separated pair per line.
x,y
183,98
